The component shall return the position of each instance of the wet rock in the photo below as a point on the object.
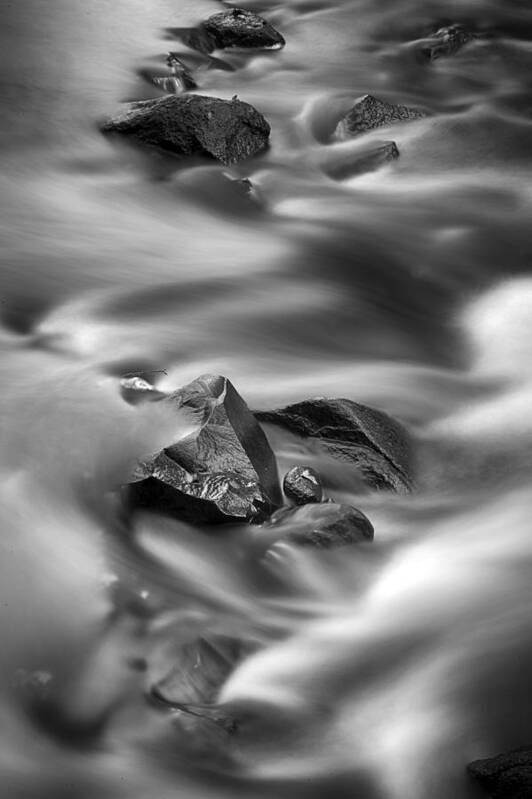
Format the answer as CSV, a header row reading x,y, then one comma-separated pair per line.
x,y
201,668
228,130
446,41
302,485
240,28
325,525
370,440
359,163
190,689
369,113
506,776
135,390
225,471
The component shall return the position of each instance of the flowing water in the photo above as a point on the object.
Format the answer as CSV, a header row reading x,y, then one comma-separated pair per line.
x,y
378,671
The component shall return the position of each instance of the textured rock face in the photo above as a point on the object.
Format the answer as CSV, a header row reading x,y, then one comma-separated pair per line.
x,y
369,439
446,41
324,525
369,113
228,130
240,28
225,472
507,776
302,485
359,163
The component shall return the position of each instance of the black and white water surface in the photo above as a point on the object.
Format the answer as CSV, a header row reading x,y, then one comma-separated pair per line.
x,y
380,672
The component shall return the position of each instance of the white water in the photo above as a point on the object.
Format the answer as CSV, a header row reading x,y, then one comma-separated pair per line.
x,y
383,669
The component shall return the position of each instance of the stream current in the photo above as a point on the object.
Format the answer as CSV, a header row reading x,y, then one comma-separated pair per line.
x,y
379,672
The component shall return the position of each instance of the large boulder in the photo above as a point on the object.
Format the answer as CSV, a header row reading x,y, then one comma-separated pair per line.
x,y
240,28
506,776
370,440
228,130
369,113
224,471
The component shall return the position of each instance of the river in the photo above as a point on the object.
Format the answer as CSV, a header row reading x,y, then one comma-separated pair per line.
x,y
379,672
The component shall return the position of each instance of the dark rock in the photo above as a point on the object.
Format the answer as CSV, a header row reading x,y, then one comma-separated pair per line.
x,y
368,160
302,485
180,71
228,130
325,525
369,439
446,41
223,472
507,776
369,113
240,28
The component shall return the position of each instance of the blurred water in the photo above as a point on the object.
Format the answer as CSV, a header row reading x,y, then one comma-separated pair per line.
x,y
382,670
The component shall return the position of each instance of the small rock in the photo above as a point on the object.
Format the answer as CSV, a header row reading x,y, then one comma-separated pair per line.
x,y
180,71
240,28
369,113
447,41
325,525
135,390
369,439
302,485
225,471
359,163
506,776
228,130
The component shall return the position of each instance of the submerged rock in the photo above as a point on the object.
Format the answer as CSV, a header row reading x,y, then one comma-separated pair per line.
x,y
325,525
240,28
369,439
506,776
302,485
225,471
201,668
369,113
190,689
228,130
369,159
447,41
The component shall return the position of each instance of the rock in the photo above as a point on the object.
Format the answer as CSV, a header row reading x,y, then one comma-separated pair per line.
x,y
507,776
302,485
325,525
180,72
202,666
228,130
225,471
190,689
135,390
369,439
369,113
240,28
368,160
446,41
